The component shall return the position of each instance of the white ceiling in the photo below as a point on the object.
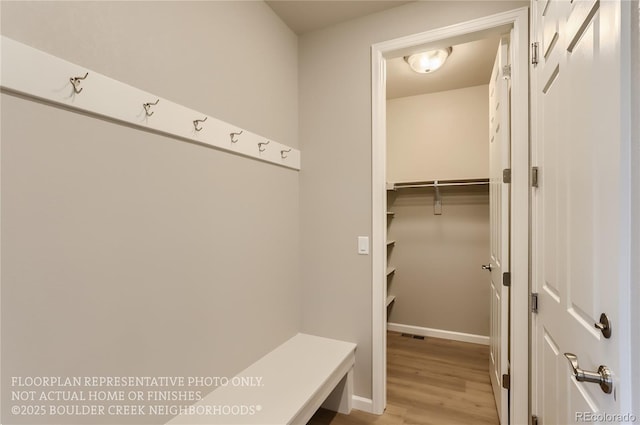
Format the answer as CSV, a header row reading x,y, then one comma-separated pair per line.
x,y
469,65
308,15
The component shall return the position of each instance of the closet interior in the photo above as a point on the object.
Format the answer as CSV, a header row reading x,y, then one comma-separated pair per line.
x,y
438,204
438,219
447,145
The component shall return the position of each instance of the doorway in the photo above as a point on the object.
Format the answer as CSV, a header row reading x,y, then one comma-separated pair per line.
x,y
457,34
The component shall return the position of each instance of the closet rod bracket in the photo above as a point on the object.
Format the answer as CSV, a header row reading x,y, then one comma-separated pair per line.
x,y
437,200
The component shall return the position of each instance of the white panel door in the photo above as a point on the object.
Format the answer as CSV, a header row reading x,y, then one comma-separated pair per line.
x,y
499,154
577,209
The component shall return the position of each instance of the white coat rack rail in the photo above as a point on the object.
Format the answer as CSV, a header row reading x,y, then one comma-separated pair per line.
x,y
437,184
37,74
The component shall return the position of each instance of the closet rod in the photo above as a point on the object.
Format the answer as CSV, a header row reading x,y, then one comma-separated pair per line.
x,y
440,183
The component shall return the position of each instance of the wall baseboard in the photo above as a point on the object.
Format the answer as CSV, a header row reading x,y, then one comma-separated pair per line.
x,y
438,333
361,403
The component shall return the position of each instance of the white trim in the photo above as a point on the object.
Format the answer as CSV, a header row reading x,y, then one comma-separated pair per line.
x,y
439,333
519,243
519,361
626,309
635,201
37,74
361,403
378,233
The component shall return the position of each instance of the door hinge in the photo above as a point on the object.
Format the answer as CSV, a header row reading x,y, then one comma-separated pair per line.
x,y
534,176
506,381
506,279
534,302
506,175
534,420
534,53
506,72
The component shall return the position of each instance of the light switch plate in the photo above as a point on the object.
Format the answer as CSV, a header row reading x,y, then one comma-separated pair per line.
x,y
363,245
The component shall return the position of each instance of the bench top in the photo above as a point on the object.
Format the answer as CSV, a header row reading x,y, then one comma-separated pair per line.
x,y
276,387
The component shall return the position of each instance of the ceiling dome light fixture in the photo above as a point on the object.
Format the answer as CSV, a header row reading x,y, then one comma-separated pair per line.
x,y
426,62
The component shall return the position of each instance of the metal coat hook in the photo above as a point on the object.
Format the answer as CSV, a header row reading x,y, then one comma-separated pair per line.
x,y
234,135
283,152
148,106
196,122
75,82
260,148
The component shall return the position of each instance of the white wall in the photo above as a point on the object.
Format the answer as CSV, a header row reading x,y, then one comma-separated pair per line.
x,y
438,136
234,60
335,135
439,282
132,254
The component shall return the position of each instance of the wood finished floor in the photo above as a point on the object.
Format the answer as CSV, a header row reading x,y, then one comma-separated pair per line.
x,y
429,382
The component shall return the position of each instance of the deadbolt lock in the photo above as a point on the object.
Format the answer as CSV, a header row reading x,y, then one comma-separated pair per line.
x,y
604,325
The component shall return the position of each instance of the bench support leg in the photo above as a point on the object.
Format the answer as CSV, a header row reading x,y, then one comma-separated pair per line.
x,y
340,398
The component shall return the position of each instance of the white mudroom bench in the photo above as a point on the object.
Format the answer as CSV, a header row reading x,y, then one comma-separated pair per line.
x,y
296,378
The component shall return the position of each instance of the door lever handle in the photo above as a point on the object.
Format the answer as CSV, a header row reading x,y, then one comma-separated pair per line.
x,y
602,376
486,267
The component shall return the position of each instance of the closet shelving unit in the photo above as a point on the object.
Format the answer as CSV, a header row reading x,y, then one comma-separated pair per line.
x,y
436,184
390,243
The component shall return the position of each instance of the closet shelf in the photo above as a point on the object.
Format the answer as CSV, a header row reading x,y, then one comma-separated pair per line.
x,y
390,271
390,299
439,183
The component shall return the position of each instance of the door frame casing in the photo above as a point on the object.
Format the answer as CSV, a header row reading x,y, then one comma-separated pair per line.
x,y
519,238
634,16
